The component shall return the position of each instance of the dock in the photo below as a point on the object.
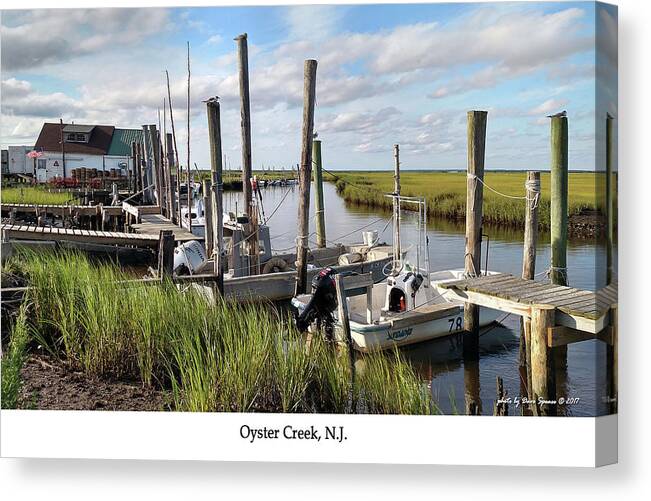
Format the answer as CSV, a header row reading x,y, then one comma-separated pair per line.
x,y
62,210
31,232
153,224
576,309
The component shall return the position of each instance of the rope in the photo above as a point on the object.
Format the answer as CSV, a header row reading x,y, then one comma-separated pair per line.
x,y
531,186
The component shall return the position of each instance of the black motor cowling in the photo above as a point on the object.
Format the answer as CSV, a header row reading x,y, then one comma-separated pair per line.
x,y
322,304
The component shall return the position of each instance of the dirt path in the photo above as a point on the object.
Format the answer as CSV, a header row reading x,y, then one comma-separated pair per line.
x,y
48,384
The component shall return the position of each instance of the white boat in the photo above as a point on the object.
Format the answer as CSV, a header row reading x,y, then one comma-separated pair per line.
x,y
400,316
407,308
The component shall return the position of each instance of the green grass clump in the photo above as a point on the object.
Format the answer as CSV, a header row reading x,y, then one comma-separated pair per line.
x,y
34,195
391,386
210,355
13,360
445,193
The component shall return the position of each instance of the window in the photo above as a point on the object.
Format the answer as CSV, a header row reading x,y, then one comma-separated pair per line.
x,y
41,163
76,137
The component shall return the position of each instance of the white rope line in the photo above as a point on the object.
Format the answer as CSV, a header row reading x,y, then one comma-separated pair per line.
x,y
531,186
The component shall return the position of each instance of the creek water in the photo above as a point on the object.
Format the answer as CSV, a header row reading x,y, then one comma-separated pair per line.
x,y
440,362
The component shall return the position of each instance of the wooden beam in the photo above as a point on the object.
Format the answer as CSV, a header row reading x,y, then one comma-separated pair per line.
x,y
562,335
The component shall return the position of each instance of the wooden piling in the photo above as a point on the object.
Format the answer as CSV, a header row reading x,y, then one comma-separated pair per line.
x,y
176,152
531,225
610,207
474,207
542,377
559,195
612,353
132,177
532,190
216,198
165,254
245,112
472,388
309,96
208,217
397,249
318,195
559,222
344,320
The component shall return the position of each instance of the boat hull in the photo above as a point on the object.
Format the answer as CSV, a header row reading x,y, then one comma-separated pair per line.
x,y
387,335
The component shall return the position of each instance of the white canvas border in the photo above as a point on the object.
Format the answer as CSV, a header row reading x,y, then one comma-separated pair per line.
x,y
459,440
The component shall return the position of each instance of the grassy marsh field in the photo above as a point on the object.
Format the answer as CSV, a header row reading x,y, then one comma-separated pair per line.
x,y
446,193
34,195
205,356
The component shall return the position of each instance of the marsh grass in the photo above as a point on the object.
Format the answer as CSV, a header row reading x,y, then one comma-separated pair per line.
x,y
13,360
445,193
34,195
209,355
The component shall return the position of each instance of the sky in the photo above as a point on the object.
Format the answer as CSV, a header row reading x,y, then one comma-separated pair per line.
x,y
386,74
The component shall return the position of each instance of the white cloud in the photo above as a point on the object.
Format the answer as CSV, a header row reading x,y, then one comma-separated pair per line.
x,y
549,106
49,36
215,39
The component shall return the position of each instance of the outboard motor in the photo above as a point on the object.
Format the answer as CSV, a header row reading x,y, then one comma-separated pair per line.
x,y
188,258
322,304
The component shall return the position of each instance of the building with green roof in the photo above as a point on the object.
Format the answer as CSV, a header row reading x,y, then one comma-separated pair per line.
x,y
121,142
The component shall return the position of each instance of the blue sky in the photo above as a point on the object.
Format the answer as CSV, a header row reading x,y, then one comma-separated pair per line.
x,y
387,74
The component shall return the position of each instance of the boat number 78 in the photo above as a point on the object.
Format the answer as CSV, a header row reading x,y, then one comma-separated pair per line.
x,y
455,324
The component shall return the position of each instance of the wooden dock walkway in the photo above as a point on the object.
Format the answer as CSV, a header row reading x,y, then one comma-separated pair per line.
x,y
577,309
30,232
153,224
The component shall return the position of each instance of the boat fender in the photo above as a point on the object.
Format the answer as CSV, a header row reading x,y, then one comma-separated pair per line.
x,y
275,265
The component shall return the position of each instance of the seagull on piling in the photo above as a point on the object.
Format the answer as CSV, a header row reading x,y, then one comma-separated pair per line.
x,y
559,114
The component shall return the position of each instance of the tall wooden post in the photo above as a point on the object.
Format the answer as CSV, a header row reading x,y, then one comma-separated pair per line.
x,y
559,195
305,177
245,107
532,190
318,198
542,364
171,163
176,153
474,203
397,248
558,216
133,183
610,206
208,216
342,312
63,148
216,170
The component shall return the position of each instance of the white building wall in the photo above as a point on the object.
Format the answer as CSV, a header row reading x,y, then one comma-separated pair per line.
x,y
54,164
18,161
113,162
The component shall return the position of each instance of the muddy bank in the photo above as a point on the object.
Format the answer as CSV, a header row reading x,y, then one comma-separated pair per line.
x,y
50,384
587,224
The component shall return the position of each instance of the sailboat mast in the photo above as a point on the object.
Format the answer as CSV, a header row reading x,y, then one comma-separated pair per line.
x,y
397,254
189,170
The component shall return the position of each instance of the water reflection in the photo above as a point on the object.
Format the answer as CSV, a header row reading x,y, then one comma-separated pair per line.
x,y
440,361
